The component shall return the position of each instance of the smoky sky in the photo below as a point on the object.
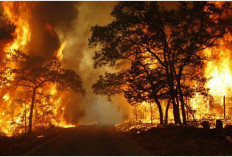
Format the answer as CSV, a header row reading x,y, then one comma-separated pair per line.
x,y
44,17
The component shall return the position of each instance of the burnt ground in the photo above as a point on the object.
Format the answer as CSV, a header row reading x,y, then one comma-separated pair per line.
x,y
20,144
183,141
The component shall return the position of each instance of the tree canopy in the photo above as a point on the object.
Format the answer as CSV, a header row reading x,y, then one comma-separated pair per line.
x,y
35,72
171,41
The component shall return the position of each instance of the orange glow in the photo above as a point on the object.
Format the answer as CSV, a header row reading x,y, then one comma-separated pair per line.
x,y
49,28
59,52
219,75
15,114
22,32
6,97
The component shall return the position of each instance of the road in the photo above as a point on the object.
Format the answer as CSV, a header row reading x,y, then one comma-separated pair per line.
x,y
89,140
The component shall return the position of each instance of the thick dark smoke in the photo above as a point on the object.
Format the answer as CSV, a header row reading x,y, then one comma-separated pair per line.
x,y
44,17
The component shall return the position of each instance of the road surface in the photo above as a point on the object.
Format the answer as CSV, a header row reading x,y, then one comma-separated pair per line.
x,y
89,140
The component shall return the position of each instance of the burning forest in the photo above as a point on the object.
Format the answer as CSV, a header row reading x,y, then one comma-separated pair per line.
x,y
33,86
133,65
137,66
44,61
173,61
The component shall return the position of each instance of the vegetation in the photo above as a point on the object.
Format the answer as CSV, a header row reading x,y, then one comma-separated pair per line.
x,y
156,50
33,73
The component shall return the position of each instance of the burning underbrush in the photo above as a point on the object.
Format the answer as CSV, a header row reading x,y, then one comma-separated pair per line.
x,y
127,126
139,126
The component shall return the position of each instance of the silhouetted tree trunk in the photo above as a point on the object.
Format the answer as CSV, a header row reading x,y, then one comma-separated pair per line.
x,y
176,112
25,120
181,97
182,105
151,113
166,113
160,111
31,111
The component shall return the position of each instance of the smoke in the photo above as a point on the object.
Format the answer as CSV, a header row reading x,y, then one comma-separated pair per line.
x,y
52,23
78,56
44,17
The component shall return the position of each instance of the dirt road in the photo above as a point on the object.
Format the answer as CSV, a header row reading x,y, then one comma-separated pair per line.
x,y
89,141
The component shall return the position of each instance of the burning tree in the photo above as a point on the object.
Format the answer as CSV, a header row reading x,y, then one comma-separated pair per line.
x,y
171,41
34,73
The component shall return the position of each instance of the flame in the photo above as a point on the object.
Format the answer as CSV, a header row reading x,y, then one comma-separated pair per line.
x,y
219,74
6,97
22,32
14,115
59,52
219,69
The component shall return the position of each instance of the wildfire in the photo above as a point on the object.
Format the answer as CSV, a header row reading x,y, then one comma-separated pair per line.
x,y
219,69
6,97
59,52
219,74
22,32
16,114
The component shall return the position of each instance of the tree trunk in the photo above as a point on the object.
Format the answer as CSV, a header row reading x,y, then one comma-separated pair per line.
x,y
25,120
160,111
182,103
166,113
31,111
183,110
176,112
151,114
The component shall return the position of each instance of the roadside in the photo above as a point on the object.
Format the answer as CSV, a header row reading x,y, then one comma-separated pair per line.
x,y
20,144
181,141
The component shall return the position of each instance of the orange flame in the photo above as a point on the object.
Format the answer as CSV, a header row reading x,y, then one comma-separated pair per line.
x,y
15,115
59,52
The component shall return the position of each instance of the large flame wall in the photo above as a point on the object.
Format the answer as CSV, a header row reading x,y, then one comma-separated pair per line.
x,y
62,31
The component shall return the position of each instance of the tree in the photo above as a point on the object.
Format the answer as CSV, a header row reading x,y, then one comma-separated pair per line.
x,y
6,35
139,83
173,38
34,73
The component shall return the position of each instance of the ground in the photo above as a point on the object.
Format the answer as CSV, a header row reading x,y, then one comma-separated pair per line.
x,y
89,140
182,141
20,144
107,141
